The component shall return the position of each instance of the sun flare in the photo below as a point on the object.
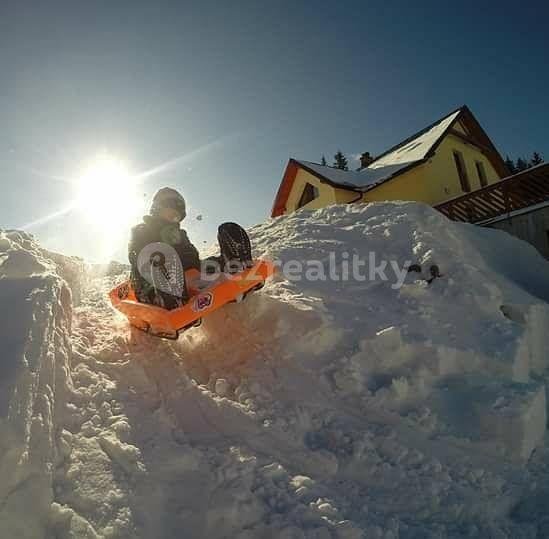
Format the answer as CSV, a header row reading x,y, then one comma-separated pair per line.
x,y
107,194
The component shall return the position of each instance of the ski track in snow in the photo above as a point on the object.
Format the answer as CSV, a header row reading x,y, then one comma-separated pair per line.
x,y
312,410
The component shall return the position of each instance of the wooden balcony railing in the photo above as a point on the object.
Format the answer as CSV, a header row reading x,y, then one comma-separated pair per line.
x,y
516,192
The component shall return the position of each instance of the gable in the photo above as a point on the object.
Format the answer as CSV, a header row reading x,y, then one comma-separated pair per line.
x,y
285,188
475,135
458,126
325,193
443,166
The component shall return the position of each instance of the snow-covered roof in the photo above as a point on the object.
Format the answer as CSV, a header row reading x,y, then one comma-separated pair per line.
x,y
417,147
406,154
363,179
335,175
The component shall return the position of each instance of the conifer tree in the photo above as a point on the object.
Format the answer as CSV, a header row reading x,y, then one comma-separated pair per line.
x,y
522,164
537,159
340,161
323,162
511,165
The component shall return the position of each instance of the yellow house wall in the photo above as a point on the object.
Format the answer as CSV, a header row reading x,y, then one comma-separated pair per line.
x,y
343,196
327,194
412,185
436,180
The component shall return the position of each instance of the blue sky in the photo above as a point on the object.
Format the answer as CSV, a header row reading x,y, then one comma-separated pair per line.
x,y
231,90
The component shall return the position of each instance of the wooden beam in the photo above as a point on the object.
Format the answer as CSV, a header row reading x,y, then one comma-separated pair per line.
x,y
469,140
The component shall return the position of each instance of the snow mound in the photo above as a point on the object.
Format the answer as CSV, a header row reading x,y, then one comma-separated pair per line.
x,y
388,408
35,321
380,347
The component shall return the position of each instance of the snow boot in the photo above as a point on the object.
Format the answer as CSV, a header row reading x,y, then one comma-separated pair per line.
x,y
170,288
235,247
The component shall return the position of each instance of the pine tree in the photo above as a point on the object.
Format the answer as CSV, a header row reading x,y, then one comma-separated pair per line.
x,y
340,161
323,162
537,159
511,165
522,164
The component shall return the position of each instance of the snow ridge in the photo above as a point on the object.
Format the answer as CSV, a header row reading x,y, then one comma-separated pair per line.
x,y
35,322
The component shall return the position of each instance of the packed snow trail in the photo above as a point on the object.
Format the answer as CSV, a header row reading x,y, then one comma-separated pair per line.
x,y
315,409
151,380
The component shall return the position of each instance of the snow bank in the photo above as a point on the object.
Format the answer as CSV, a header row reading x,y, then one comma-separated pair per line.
x,y
400,391
35,318
485,318
316,409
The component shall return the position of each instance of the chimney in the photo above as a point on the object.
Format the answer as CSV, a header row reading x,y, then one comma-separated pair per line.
x,y
365,160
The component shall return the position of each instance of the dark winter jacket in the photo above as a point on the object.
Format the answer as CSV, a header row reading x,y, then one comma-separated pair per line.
x,y
155,229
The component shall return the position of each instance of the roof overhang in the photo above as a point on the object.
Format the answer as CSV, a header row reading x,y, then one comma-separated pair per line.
x,y
478,137
288,180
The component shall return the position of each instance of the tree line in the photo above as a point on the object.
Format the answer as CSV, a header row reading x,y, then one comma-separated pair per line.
x,y
341,162
523,164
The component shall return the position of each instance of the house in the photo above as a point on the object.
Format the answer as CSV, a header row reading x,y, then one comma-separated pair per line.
x,y
448,158
451,165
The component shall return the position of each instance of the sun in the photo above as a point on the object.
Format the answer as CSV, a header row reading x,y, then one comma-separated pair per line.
x,y
108,194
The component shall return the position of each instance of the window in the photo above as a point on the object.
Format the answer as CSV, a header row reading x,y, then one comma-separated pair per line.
x,y
309,194
462,172
481,174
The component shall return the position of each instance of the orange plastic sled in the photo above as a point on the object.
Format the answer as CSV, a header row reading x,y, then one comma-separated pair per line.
x,y
206,297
